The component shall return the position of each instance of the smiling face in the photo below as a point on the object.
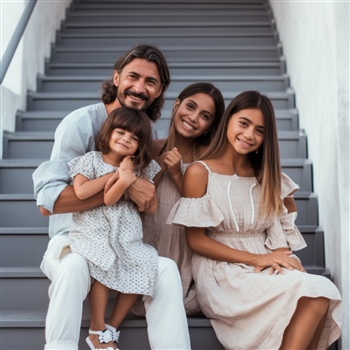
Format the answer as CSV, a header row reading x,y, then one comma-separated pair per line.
x,y
139,84
123,143
245,130
194,115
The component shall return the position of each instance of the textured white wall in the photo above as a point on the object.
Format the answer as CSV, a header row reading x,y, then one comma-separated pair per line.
x,y
29,57
315,40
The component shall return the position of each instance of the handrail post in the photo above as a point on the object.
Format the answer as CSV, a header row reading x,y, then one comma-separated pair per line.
x,y
15,39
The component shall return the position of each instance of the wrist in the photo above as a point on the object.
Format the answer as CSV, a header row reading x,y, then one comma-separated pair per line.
x,y
295,257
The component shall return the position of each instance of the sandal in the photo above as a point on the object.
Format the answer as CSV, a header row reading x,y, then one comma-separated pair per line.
x,y
115,333
105,336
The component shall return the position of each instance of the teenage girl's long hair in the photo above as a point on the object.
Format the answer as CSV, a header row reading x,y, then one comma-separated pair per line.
x,y
266,163
134,121
205,139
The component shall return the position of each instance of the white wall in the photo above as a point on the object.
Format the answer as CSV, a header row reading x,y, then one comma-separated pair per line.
x,y
29,57
315,40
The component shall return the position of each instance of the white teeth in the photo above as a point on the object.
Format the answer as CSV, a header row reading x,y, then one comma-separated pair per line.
x,y
188,125
135,98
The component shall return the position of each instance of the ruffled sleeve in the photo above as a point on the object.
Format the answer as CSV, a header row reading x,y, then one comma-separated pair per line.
x,y
151,170
283,232
82,165
195,212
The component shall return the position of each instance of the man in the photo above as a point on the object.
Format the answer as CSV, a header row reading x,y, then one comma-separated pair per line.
x,y
140,79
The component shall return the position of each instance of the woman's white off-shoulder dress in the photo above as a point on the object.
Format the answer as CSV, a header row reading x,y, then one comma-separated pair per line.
x,y
250,310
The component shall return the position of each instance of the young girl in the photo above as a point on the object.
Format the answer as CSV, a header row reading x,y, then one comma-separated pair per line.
x,y
248,282
110,236
195,118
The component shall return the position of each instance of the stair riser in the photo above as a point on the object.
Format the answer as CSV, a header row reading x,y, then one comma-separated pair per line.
x,y
22,250
162,125
176,16
49,103
133,337
31,217
204,55
11,178
21,213
186,40
275,69
169,7
154,29
16,180
94,85
38,149
24,294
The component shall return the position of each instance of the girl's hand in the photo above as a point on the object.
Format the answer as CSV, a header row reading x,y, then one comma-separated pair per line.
x,y
277,260
126,176
172,160
127,163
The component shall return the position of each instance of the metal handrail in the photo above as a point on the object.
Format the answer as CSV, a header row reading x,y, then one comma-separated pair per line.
x,y
16,37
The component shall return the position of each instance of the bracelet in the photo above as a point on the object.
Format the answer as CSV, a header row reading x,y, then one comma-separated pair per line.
x,y
295,256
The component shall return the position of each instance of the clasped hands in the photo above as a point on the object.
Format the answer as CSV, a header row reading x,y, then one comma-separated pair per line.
x,y
278,260
141,191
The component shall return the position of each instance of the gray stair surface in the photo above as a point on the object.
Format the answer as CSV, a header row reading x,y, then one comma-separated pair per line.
x,y
232,43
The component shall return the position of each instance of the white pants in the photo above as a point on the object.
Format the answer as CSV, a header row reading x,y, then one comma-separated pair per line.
x,y
166,318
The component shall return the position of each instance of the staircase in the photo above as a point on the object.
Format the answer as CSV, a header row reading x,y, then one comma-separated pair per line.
x,y
232,43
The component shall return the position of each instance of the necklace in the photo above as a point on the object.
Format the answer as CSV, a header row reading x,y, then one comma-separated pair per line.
x,y
230,167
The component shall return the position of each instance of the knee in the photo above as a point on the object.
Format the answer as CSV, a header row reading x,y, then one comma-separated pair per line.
x,y
319,305
74,269
167,266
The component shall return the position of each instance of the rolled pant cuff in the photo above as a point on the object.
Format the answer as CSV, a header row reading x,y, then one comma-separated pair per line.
x,y
65,345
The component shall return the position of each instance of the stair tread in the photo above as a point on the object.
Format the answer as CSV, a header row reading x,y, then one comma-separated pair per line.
x,y
43,135
174,64
176,24
176,78
30,318
165,48
23,230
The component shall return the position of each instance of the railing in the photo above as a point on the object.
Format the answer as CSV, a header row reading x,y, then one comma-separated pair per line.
x,y
15,39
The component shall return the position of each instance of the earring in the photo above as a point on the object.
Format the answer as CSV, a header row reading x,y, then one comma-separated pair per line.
x,y
257,151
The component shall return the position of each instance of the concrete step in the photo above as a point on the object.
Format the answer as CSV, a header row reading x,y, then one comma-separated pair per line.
x,y
12,204
197,54
166,15
139,26
26,288
22,246
170,6
20,210
68,101
178,83
18,325
177,68
27,144
48,120
34,240
16,174
174,38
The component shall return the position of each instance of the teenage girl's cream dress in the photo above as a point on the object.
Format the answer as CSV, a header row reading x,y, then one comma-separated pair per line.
x,y
250,310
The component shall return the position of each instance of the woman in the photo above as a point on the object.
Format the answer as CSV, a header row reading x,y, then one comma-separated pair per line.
x,y
195,117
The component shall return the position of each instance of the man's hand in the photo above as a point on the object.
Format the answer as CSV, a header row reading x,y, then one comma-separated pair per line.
x,y
143,194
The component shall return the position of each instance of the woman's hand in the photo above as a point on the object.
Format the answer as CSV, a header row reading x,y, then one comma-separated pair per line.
x,y
277,260
172,160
